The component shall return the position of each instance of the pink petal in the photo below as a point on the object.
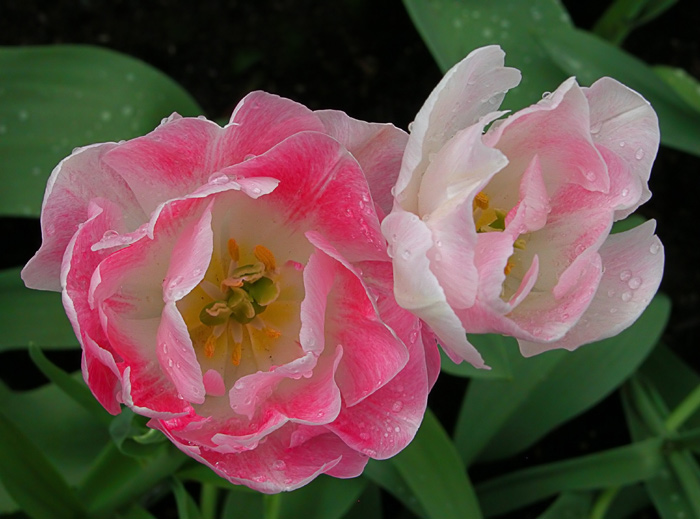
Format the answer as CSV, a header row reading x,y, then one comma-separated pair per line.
x,y
471,89
418,290
557,129
633,263
321,187
623,122
77,180
214,383
373,353
377,147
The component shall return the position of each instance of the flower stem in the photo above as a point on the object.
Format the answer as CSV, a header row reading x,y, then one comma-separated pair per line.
x,y
684,410
208,500
271,505
603,502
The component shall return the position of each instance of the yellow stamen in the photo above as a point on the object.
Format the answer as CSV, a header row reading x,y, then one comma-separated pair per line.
x,y
233,250
509,267
236,354
210,346
272,333
519,244
265,257
481,200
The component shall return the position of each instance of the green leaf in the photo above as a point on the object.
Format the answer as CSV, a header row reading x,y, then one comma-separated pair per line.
x,y
116,480
675,491
431,467
502,417
368,505
387,476
629,501
685,85
131,435
70,438
136,512
493,348
55,98
621,466
572,505
204,475
628,223
31,316
242,505
324,498
451,30
32,481
589,58
74,388
623,16
186,506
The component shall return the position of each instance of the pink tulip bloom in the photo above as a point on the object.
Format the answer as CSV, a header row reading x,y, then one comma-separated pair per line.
x,y
233,285
508,231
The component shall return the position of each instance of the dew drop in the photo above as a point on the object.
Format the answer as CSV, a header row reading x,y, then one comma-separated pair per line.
x,y
279,465
639,154
635,283
364,436
590,175
625,192
622,144
596,128
626,296
625,275
438,243
654,248
397,429
106,116
170,363
406,254
410,129
611,293
613,310
248,157
546,95
397,406
23,115
256,190
218,178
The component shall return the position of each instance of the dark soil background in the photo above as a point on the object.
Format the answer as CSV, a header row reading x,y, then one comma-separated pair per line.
x,y
366,58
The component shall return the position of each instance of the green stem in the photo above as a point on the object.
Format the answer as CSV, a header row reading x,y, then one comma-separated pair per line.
x,y
684,410
208,499
603,502
271,504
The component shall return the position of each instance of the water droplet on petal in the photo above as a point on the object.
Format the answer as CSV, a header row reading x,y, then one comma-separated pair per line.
x,y
406,254
654,248
613,310
170,363
397,406
590,175
635,283
622,144
625,192
596,128
109,234
279,465
625,275
611,293
397,429
546,95
639,155
626,296
257,190
218,178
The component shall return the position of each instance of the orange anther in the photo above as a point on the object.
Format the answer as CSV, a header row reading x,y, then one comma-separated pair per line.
x,y
265,257
509,267
233,250
210,346
236,354
272,333
481,200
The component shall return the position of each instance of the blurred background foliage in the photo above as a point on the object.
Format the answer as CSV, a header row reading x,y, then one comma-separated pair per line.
x,y
610,431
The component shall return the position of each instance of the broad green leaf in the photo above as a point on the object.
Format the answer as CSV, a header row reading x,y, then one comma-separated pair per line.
x,y
32,481
243,505
434,472
131,436
502,417
186,507
451,30
589,58
387,476
572,505
493,348
324,498
136,512
116,480
204,475
620,466
55,98
685,85
70,438
70,385
368,505
623,16
31,316
630,500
